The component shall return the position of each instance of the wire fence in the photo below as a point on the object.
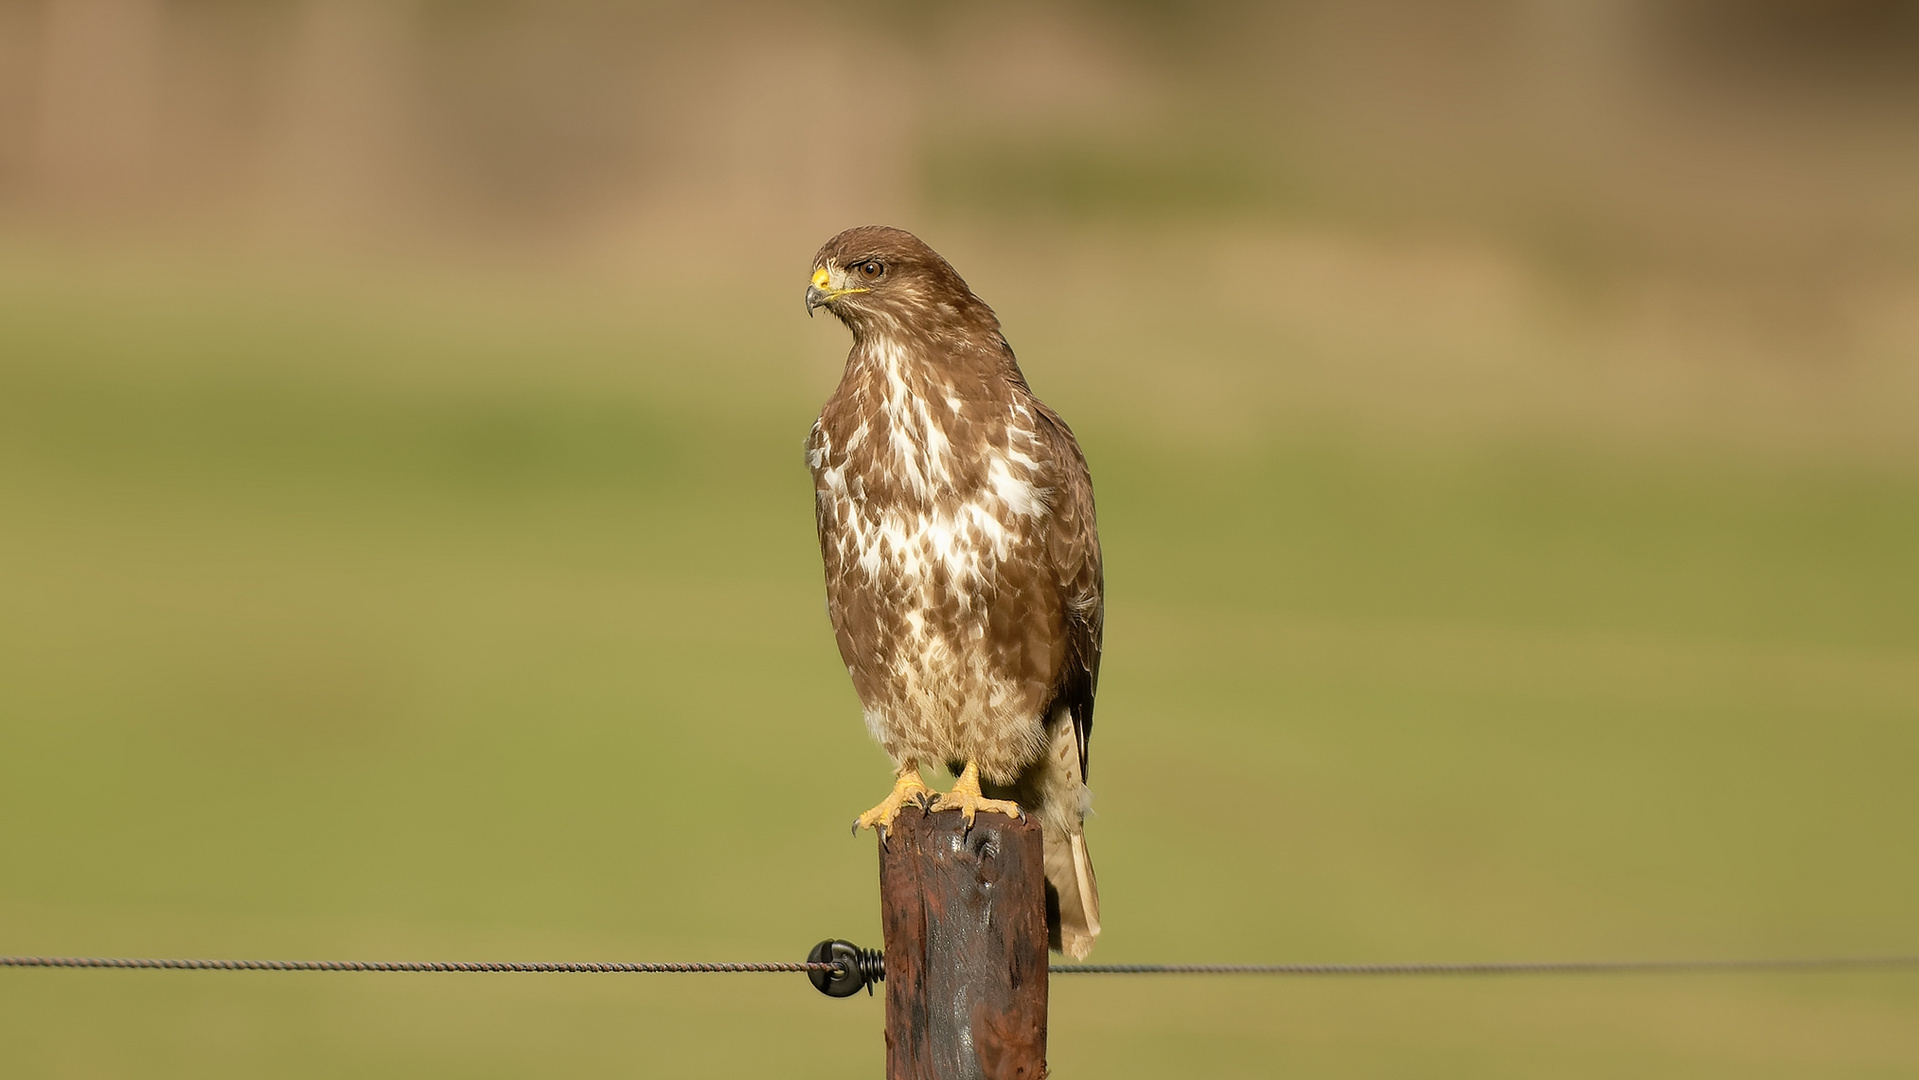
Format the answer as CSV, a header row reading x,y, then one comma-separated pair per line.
x,y
421,966
1537,967
874,970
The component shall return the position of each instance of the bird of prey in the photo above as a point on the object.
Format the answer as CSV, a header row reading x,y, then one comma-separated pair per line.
x,y
963,577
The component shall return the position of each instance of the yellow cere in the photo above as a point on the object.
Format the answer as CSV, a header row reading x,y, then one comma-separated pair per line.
x,y
820,278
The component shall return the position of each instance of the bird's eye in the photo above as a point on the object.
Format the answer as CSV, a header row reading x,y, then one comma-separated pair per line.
x,y
872,269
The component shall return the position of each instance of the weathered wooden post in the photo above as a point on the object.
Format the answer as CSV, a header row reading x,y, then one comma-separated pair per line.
x,y
965,920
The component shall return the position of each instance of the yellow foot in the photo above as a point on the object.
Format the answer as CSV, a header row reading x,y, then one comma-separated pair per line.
x,y
966,798
907,789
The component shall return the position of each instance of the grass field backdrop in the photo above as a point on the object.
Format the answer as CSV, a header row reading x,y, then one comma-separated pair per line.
x,y
420,616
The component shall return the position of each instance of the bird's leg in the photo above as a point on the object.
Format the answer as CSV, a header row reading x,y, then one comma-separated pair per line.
x,y
966,798
909,788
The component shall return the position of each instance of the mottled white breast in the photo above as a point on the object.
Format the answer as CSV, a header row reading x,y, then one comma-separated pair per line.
x,y
929,553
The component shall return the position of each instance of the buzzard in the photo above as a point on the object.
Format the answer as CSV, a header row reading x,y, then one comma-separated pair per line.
x,y
955,516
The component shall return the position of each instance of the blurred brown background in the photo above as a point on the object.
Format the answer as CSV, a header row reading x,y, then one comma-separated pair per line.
x,y
1712,185
1506,423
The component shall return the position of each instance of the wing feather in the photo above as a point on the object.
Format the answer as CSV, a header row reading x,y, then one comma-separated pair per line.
x,y
1072,550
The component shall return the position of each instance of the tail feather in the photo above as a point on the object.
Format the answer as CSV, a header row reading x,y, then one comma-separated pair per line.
x,y
1073,914
1053,791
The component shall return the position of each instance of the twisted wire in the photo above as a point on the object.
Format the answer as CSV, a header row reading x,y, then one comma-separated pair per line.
x,y
406,965
1547,967
1543,967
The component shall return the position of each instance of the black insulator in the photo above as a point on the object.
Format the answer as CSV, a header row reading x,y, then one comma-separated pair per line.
x,y
853,967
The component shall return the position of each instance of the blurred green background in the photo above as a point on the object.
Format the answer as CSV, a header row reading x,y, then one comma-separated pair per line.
x,y
1505,420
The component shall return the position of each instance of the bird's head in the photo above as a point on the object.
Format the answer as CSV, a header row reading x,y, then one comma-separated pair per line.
x,y
880,280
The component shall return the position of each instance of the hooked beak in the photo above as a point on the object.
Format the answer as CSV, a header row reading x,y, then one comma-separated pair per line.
x,y
823,290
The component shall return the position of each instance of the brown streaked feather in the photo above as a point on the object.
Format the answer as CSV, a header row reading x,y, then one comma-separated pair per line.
x,y
1073,550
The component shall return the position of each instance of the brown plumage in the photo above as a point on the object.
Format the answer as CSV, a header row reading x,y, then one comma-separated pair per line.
x,y
963,576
